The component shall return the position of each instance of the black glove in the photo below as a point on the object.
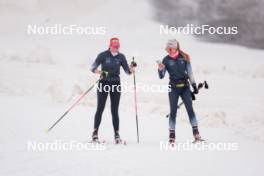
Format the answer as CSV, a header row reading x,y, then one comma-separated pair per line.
x,y
195,89
193,96
133,64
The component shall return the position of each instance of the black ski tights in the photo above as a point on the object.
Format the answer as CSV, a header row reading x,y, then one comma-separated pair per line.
x,y
105,88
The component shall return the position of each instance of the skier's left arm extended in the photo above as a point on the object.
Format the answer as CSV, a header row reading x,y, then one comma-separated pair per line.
x,y
190,73
125,66
191,77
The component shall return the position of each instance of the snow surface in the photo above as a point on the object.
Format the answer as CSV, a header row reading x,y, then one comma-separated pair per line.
x,y
40,76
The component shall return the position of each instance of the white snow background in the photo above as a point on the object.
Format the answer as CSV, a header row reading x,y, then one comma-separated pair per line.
x,y
41,76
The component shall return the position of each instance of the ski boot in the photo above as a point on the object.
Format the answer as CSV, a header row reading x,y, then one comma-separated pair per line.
x,y
196,135
95,136
172,137
118,139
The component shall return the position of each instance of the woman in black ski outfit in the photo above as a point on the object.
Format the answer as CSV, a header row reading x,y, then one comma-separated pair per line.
x,y
110,60
178,65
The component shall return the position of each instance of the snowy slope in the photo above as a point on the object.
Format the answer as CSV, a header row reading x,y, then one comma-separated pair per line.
x,y
40,76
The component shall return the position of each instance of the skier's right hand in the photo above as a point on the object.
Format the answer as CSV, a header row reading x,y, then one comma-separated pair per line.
x,y
161,66
103,74
97,71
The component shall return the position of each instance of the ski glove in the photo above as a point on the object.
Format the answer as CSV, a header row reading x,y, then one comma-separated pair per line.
x,y
134,64
195,89
103,74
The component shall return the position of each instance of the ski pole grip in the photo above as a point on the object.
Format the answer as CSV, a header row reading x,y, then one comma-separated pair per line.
x,y
133,63
206,85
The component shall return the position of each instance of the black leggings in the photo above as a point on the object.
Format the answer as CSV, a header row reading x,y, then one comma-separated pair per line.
x,y
105,88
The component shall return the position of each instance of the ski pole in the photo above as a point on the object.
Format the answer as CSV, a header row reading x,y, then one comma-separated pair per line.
x,y
71,107
200,86
135,99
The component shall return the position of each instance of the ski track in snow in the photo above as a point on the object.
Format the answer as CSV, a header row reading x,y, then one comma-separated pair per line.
x,y
41,76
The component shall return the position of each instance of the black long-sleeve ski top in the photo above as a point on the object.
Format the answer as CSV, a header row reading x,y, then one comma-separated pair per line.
x,y
111,64
178,69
